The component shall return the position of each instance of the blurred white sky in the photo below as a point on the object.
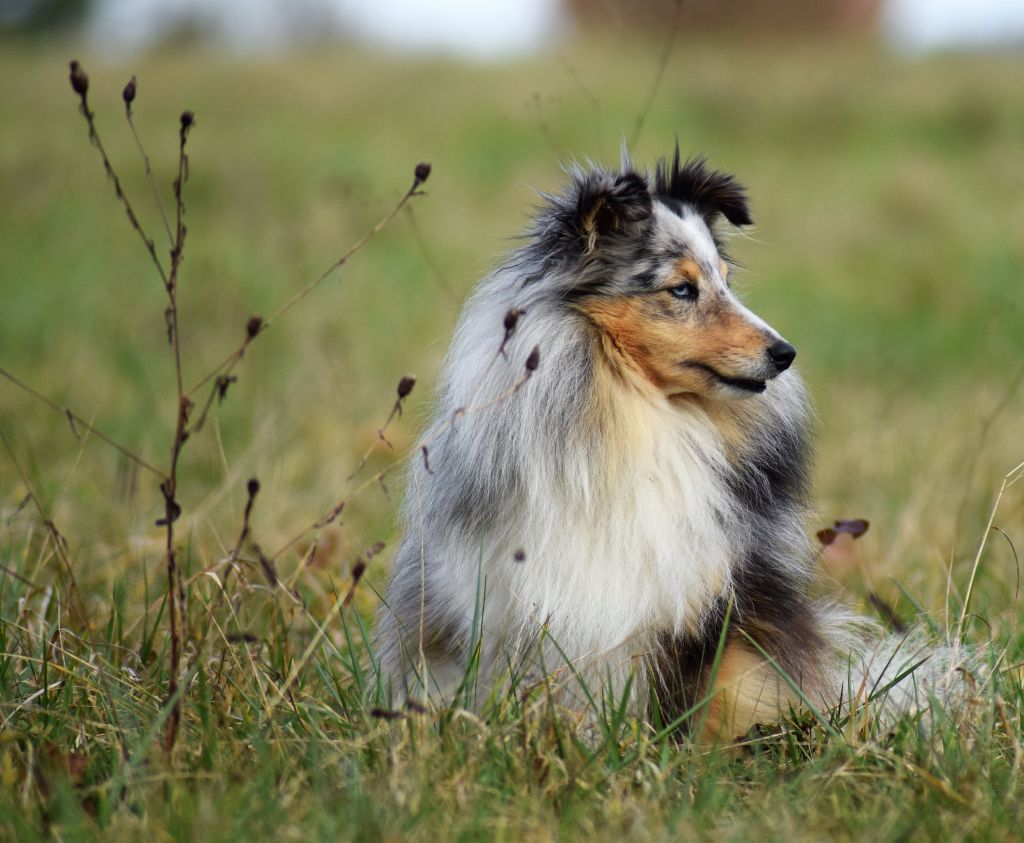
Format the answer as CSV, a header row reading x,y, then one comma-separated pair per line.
x,y
484,29
924,25
479,29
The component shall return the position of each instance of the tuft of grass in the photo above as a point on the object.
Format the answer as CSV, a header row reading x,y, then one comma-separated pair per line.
x,y
887,214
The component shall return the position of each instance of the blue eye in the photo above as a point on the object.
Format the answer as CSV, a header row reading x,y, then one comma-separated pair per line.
x,y
685,292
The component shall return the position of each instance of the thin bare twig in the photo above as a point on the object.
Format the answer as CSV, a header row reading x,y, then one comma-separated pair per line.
x,y
22,579
80,85
1016,559
252,489
258,325
532,361
175,587
219,393
405,386
1009,479
666,54
357,574
19,577
577,79
428,257
129,97
78,420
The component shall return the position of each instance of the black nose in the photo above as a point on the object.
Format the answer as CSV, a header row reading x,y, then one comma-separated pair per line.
x,y
781,354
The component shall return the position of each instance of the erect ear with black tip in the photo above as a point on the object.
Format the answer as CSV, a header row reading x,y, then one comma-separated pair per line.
x,y
712,192
609,205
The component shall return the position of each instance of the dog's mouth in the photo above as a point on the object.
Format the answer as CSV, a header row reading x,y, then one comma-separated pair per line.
x,y
753,385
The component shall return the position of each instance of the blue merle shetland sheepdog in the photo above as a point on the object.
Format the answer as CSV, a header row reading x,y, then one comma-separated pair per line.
x,y
629,515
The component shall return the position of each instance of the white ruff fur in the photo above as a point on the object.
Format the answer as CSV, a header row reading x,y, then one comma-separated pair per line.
x,y
618,548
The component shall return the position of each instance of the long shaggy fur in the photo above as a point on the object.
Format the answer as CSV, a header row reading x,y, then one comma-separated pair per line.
x,y
600,519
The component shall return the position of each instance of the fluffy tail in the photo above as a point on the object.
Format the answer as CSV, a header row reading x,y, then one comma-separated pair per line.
x,y
860,672
885,676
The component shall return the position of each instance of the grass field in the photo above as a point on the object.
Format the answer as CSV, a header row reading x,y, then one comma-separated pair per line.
x,y
889,197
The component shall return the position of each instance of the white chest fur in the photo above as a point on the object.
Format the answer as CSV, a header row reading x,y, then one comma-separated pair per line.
x,y
626,539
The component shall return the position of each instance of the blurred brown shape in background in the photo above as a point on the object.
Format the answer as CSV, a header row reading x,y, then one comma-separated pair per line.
x,y
848,17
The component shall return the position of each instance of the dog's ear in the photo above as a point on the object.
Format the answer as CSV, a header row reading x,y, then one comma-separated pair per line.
x,y
711,192
608,205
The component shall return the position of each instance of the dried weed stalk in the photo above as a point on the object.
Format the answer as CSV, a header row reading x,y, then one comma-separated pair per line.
x,y
222,376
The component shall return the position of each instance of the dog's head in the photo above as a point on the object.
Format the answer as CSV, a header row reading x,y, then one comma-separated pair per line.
x,y
646,266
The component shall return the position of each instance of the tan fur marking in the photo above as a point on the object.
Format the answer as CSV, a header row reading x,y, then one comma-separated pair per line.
x,y
731,334
620,419
625,323
687,270
748,691
637,335
733,420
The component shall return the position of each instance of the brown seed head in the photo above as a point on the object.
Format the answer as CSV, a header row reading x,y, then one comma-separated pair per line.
x,y
422,172
253,487
253,326
128,94
358,569
512,319
533,361
187,119
826,536
405,386
856,527
79,79
221,385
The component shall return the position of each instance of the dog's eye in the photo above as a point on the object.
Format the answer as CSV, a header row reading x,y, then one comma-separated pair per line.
x,y
685,292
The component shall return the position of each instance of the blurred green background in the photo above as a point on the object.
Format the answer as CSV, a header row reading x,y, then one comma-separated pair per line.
x,y
888,193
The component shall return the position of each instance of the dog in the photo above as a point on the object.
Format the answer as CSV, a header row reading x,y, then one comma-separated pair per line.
x,y
612,491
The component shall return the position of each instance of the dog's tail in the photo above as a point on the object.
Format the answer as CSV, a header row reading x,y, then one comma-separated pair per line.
x,y
851,674
882,676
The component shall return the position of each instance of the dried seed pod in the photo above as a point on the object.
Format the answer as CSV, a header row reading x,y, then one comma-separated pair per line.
x,y
405,386
253,487
826,536
80,80
128,94
221,385
856,527
512,319
422,172
533,361
253,326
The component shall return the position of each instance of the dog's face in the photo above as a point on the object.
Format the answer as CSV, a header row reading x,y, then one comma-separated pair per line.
x,y
655,282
